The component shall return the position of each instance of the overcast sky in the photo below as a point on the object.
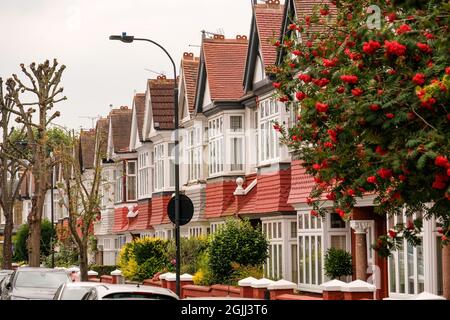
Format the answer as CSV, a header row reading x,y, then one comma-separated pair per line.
x,y
102,72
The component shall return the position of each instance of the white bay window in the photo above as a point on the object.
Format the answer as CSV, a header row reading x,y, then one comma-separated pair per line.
x,y
164,166
131,180
269,145
118,188
216,156
144,188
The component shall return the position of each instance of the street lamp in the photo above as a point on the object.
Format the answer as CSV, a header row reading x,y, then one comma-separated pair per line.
x,y
52,209
128,39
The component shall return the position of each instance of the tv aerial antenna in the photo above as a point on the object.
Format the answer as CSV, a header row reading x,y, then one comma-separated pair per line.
x,y
92,119
161,73
219,32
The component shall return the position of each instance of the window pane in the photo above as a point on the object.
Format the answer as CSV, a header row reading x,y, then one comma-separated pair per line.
x,y
294,262
439,265
420,272
392,273
236,123
313,258
301,259
401,262
410,265
336,221
275,261
293,229
319,258
338,242
280,261
279,230
307,259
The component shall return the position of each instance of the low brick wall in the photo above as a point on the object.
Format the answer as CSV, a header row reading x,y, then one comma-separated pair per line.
x,y
192,290
106,279
220,290
94,280
296,297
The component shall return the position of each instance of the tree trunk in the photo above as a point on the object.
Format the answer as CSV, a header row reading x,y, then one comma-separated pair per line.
x,y
35,216
83,262
7,241
446,271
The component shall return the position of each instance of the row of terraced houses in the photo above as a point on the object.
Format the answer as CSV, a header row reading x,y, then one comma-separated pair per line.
x,y
233,165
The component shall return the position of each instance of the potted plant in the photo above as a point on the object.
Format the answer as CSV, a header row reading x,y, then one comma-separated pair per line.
x,y
338,263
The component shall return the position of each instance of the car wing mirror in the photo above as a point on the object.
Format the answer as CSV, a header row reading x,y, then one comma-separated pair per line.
x,y
8,286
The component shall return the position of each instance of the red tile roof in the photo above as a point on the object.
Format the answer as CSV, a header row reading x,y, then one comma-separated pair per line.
x,y
269,18
87,144
273,191
306,8
120,219
301,185
139,104
159,209
161,99
102,128
121,128
219,197
190,65
225,63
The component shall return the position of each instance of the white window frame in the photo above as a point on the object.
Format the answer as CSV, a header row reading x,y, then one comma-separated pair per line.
x,y
194,146
216,145
118,183
268,139
129,180
236,144
159,150
144,169
399,262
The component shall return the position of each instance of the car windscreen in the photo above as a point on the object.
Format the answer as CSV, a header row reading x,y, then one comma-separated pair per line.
x,y
138,295
40,279
74,293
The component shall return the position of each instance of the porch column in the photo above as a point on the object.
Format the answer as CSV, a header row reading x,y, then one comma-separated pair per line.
x,y
360,227
446,271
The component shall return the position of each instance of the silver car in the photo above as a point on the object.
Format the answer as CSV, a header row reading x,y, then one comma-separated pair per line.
x,y
74,290
128,292
34,284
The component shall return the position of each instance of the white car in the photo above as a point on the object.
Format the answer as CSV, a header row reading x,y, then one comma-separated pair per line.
x,y
74,290
128,292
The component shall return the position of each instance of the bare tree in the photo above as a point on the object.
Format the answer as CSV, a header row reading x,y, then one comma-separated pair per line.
x,y
44,88
13,167
80,194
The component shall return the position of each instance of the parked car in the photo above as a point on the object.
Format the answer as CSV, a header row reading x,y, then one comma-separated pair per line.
x,y
28,283
4,278
4,273
128,292
74,290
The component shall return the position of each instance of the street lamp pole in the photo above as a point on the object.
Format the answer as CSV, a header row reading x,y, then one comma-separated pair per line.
x,y
128,39
52,209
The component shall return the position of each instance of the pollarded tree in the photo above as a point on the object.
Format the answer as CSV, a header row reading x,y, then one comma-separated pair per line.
x,y
80,195
372,83
44,90
13,168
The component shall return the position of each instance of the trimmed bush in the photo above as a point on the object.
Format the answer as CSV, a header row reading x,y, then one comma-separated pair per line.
x,y
236,242
20,241
338,263
191,250
143,257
